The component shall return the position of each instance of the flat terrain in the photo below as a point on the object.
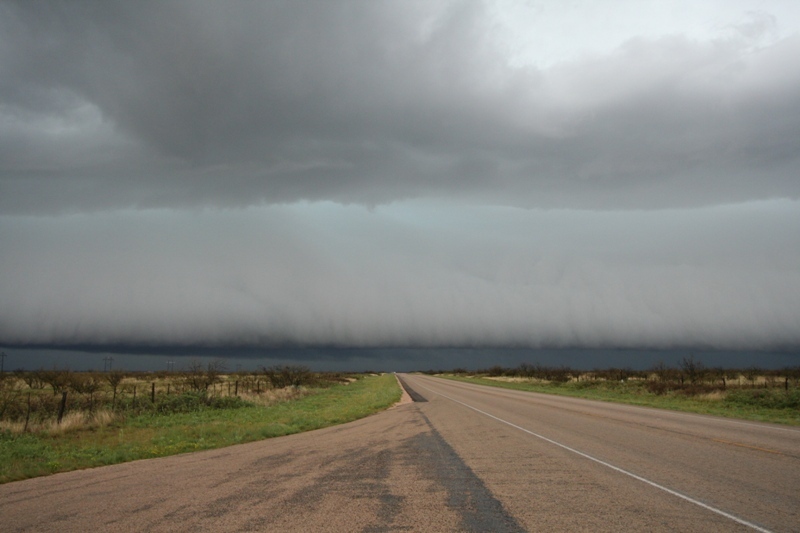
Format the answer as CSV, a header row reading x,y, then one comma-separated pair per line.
x,y
462,458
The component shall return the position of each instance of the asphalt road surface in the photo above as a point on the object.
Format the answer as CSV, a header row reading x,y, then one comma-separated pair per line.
x,y
461,458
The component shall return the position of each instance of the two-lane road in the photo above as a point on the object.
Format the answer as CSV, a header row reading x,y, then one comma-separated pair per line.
x,y
462,458
568,463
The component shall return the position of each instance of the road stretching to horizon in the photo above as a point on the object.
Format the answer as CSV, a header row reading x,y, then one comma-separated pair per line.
x,y
462,457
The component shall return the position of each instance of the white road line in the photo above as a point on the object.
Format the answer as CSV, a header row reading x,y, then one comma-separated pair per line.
x,y
609,465
666,413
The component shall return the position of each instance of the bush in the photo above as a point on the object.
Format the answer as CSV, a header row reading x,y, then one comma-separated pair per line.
x,y
189,402
658,388
288,376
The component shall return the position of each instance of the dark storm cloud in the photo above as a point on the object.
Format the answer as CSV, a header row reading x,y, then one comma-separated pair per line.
x,y
334,276
181,176
149,104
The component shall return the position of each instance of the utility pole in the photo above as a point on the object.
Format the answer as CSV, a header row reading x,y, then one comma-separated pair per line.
x,y
170,366
107,363
2,362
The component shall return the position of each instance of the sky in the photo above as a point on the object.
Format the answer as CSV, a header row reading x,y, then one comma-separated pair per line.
x,y
337,181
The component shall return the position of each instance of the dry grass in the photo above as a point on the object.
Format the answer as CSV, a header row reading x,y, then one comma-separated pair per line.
x,y
72,421
14,427
714,396
273,396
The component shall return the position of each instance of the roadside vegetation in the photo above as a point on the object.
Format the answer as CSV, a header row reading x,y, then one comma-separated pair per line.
x,y
56,420
747,393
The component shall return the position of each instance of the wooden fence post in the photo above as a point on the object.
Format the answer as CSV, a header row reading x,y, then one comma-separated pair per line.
x,y
62,406
27,414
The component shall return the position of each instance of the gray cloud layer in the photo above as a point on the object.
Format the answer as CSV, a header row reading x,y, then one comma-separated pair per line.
x,y
121,104
321,275
383,173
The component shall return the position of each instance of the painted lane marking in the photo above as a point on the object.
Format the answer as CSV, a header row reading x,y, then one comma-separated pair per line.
x,y
612,467
573,408
647,409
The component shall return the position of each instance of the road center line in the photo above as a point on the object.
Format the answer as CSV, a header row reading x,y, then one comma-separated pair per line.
x,y
609,465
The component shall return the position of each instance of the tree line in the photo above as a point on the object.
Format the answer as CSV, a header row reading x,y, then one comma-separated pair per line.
x,y
41,394
690,374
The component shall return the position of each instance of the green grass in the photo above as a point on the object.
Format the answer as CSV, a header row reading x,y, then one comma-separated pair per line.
x,y
157,435
773,405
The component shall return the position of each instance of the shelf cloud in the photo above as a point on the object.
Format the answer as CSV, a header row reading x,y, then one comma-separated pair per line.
x,y
346,276
399,174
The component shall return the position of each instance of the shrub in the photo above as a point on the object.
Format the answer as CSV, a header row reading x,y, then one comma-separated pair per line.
x,y
658,387
200,378
189,402
288,376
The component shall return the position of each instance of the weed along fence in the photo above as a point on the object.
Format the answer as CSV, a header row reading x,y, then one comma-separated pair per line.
x,y
50,399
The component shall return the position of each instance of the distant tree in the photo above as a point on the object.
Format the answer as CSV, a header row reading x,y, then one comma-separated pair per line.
x,y
560,375
114,379
10,390
214,371
751,374
87,384
526,370
662,372
496,371
201,377
287,375
692,369
32,379
717,374
618,374
57,379
75,383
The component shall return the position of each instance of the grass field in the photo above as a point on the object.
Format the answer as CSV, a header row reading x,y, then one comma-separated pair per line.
x,y
759,404
153,434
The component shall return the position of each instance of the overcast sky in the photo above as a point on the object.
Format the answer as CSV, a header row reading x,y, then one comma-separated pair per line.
x,y
544,174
